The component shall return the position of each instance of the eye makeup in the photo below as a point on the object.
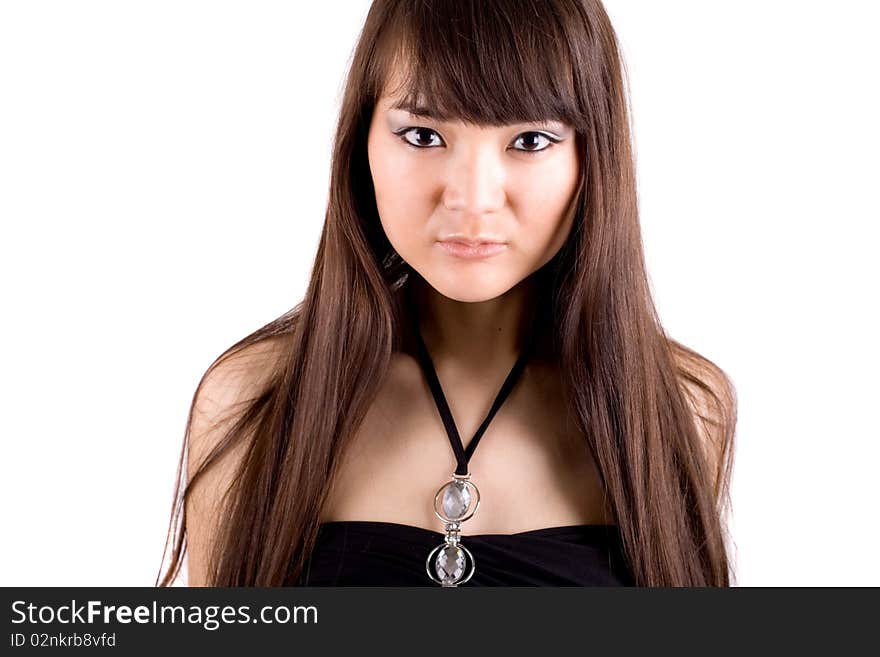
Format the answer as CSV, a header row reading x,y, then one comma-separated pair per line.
x,y
551,138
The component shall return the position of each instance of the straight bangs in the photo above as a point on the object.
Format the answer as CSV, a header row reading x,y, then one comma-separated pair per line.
x,y
483,62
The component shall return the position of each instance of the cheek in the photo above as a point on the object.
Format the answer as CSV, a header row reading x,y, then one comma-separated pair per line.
x,y
544,207
401,208
394,183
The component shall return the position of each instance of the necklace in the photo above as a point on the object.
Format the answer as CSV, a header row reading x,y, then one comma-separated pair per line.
x,y
451,563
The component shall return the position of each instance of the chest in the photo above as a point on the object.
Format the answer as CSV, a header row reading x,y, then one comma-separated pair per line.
x,y
531,467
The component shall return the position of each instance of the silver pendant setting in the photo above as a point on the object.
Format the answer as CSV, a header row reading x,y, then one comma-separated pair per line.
x,y
451,563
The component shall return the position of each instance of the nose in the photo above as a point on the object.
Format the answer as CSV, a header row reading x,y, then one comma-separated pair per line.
x,y
475,181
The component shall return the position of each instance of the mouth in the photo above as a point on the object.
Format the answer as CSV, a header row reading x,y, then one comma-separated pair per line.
x,y
472,250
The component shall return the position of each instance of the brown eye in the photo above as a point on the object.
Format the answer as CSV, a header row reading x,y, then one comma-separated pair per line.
x,y
422,135
533,142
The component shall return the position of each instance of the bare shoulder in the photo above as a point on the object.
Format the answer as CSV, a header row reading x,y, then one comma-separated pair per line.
x,y
224,391
213,460
236,378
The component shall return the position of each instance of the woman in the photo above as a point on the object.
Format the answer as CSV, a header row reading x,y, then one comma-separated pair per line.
x,y
479,280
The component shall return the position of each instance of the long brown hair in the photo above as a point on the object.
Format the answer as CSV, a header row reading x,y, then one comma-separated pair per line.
x,y
658,418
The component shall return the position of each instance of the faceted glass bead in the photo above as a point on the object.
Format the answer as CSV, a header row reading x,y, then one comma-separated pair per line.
x,y
450,563
456,500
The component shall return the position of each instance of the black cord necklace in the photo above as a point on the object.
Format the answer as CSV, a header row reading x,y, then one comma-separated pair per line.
x,y
451,563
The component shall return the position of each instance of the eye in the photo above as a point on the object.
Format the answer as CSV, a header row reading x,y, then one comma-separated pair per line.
x,y
532,137
420,134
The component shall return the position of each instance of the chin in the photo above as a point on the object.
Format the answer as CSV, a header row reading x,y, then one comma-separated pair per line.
x,y
470,297
467,288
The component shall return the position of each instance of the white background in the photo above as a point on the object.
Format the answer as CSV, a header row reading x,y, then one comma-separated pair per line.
x,y
163,179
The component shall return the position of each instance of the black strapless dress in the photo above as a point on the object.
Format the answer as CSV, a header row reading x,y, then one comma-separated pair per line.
x,y
373,553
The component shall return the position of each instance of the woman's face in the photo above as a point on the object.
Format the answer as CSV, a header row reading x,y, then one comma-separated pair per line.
x,y
437,182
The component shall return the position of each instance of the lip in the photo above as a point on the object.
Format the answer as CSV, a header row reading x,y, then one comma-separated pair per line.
x,y
472,250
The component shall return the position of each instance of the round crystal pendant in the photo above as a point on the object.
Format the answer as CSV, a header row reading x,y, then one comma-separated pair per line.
x,y
453,502
451,563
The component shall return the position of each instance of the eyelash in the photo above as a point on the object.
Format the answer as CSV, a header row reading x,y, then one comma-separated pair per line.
x,y
553,140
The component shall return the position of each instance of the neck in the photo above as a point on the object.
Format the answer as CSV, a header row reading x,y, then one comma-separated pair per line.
x,y
474,335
